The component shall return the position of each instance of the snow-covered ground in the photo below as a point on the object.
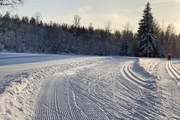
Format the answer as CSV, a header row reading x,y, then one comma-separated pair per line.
x,y
75,87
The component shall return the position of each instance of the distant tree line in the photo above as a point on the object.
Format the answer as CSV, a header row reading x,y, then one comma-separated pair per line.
x,y
32,35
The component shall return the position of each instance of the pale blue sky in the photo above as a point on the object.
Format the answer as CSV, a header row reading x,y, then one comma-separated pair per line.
x,y
97,12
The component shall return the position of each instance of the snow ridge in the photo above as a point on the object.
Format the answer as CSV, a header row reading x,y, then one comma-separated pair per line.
x,y
28,85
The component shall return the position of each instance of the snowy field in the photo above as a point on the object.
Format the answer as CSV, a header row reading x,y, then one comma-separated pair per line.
x,y
75,87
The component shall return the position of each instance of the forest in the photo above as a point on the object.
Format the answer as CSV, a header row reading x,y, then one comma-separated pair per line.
x,y
34,36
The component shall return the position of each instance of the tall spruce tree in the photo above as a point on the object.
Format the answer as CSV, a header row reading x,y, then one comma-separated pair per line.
x,y
146,40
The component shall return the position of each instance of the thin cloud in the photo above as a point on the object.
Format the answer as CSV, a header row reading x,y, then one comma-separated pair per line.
x,y
131,11
83,9
165,3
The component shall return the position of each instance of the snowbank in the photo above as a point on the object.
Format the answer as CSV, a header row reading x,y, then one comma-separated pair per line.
x,y
19,92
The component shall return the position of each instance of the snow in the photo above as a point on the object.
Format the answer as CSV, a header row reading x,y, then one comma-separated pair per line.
x,y
77,87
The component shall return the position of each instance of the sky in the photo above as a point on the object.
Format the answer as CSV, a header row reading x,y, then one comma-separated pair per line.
x,y
99,12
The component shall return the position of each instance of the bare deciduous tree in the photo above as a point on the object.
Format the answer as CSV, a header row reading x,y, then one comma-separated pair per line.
x,y
128,27
77,20
10,2
108,26
38,17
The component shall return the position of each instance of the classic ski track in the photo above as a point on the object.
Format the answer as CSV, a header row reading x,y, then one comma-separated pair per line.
x,y
46,107
54,110
56,99
171,107
53,103
140,81
130,77
173,72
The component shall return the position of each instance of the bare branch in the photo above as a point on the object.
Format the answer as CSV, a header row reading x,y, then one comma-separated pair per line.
x,y
108,26
77,20
10,2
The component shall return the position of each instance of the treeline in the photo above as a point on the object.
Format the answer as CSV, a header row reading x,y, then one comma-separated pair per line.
x,y
167,40
32,35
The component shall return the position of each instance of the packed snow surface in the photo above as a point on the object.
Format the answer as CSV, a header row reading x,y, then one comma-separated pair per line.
x,y
75,87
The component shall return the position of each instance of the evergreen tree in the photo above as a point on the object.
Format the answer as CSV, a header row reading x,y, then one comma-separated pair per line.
x,y
147,42
124,47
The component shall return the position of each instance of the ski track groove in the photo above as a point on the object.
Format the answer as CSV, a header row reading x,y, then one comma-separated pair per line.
x,y
56,100
68,101
173,72
141,85
64,99
138,78
128,76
